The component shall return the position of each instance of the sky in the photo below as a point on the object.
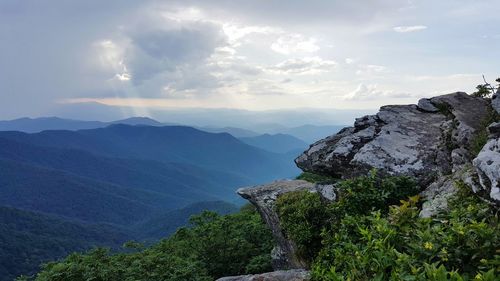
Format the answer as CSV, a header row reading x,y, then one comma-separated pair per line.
x,y
145,57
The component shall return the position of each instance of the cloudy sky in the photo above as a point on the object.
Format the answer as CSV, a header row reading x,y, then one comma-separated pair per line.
x,y
148,56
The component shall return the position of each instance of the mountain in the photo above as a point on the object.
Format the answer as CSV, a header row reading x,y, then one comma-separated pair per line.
x,y
307,133
165,224
139,121
51,191
169,144
123,181
278,143
125,174
69,183
236,132
311,133
28,239
35,125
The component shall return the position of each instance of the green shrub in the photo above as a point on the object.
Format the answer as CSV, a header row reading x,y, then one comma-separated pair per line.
x,y
303,215
214,246
362,195
483,91
315,178
461,244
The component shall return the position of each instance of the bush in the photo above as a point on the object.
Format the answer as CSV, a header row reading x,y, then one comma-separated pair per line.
x,y
459,245
303,216
214,246
315,178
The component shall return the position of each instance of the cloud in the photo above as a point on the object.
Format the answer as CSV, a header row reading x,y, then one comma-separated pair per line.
x,y
155,51
411,28
372,92
307,65
236,33
294,43
350,60
371,69
236,51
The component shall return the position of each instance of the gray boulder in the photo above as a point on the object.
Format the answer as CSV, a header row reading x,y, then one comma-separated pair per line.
x,y
495,101
426,105
487,165
283,275
402,140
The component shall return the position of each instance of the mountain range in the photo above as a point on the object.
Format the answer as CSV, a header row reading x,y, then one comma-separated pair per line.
x,y
307,133
119,182
68,185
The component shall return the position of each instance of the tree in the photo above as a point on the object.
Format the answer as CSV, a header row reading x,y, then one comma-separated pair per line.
x,y
486,90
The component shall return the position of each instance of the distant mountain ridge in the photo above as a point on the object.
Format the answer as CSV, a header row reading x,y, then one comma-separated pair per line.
x,y
35,125
278,143
307,133
123,173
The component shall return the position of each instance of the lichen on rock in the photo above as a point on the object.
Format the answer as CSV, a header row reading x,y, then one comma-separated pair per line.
x,y
487,165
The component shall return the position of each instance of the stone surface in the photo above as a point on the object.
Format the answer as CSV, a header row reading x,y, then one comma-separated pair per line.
x,y
426,105
264,197
283,275
436,196
429,141
402,140
487,165
326,191
494,130
495,101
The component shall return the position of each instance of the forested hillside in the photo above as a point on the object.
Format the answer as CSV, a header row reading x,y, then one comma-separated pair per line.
x,y
27,239
142,182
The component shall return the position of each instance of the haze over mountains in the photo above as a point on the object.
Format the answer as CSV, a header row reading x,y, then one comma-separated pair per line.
x,y
103,183
307,133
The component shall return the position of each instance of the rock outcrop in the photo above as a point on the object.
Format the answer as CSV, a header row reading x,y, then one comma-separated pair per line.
x,y
423,141
282,275
430,141
487,165
495,101
264,198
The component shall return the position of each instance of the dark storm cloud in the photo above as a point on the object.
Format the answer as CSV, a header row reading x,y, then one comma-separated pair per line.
x,y
155,51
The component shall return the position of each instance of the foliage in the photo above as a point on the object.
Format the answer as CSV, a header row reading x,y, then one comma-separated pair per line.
x,y
315,178
459,245
165,224
369,233
482,91
214,246
304,216
361,195
486,90
28,239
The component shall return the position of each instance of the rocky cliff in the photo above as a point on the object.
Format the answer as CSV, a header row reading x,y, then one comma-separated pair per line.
x,y
264,198
432,141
